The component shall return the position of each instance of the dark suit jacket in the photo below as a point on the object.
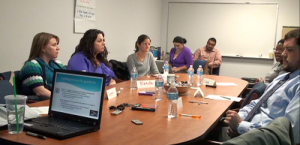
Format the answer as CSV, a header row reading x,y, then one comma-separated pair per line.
x,y
278,132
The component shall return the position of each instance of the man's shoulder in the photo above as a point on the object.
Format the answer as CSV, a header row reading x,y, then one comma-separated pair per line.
x,y
202,48
216,50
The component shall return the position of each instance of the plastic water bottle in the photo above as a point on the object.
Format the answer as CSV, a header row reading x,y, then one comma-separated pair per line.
x,y
172,101
166,68
199,75
133,79
191,75
159,85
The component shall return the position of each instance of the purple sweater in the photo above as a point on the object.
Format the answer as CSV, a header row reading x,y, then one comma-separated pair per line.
x,y
79,62
184,58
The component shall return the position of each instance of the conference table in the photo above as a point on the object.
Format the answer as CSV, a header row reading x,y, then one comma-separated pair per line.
x,y
156,128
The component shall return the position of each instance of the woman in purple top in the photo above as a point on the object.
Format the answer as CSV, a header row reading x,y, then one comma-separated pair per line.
x,y
180,56
91,56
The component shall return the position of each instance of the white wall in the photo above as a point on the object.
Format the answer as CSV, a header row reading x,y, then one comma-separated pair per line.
x,y
241,67
121,20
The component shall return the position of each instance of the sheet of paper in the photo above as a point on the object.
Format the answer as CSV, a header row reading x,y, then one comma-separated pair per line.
x,y
146,84
218,97
3,118
41,110
81,25
195,88
179,103
226,84
29,114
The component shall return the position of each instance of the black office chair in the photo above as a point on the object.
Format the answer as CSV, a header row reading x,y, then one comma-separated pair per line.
x,y
215,71
6,75
120,69
5,89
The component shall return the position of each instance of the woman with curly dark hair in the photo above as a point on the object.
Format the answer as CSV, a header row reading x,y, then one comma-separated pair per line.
x,y
91,55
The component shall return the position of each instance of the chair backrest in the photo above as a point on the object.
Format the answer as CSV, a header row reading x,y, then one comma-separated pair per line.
x,y
200,62
5,89
120,69
6,75
257,90
215,71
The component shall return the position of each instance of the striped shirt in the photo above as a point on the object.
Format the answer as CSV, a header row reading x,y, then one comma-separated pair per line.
x,y
31,74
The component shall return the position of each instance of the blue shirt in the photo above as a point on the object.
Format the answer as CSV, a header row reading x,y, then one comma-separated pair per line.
x,y
80,62
284,102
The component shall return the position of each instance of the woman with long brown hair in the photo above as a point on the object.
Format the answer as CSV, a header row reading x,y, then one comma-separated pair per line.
x,y
91,56
37,73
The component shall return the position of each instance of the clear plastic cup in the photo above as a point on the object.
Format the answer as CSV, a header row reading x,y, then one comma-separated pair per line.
x,y
15,121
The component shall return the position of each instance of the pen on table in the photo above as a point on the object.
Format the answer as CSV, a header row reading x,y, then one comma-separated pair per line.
x,y
199,102
36,135
225,97
188,115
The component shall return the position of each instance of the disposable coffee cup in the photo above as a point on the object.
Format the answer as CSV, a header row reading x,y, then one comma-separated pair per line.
x,y
15,107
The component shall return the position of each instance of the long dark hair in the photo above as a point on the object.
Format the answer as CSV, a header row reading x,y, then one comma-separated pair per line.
x,y
86,45
140,39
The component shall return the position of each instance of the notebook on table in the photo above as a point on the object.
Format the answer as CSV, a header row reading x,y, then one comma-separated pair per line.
x,y
75,106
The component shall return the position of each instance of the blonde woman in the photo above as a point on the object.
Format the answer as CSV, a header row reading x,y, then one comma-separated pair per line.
x,y
37,73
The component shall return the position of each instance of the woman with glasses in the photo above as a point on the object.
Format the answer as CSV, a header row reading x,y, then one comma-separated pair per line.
x,y
277,67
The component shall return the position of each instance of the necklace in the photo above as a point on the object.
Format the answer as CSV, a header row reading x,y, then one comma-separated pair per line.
x,y
176,54
139,58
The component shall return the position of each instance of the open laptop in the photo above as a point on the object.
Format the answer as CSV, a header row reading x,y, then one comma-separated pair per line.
x,y
75,105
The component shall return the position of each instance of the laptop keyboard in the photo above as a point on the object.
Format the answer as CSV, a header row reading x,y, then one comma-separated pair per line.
x,y
57,123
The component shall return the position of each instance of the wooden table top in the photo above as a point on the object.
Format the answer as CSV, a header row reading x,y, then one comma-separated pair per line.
x,y
157,128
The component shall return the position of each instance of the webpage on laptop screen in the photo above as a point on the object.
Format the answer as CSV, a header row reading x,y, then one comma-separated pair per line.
x,y
77,94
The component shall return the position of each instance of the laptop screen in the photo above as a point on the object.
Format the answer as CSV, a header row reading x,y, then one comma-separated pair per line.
x,y
77,94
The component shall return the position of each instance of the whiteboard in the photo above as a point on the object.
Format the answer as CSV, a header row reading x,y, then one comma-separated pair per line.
x,y
243,29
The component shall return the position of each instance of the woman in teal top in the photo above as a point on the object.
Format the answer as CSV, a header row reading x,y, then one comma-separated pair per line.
x,y
37,73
